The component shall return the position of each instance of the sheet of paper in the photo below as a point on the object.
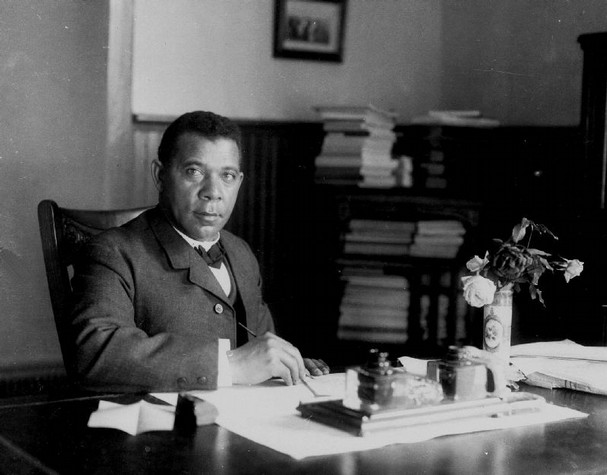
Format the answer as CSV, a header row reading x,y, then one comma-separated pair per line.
x,y
563,364
566,349
133,418
267,415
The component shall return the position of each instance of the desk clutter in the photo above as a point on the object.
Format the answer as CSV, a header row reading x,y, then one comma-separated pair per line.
x,y
369,406
379,397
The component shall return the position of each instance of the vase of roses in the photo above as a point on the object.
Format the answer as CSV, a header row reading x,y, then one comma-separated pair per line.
x,y
508,267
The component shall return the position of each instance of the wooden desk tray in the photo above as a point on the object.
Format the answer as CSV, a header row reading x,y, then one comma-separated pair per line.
x,y
364,422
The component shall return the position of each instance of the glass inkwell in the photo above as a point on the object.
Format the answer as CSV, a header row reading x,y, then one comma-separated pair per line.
x,y
377,385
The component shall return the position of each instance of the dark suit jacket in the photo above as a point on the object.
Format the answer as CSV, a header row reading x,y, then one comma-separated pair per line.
x,y
148,311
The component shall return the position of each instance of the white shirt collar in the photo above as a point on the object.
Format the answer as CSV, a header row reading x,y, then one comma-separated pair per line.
x,y
206,245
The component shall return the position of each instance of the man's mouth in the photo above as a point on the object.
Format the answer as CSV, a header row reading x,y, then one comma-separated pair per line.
x,y
208,215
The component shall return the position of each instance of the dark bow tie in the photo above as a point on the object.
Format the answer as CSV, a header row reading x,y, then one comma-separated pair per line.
x,y
213,257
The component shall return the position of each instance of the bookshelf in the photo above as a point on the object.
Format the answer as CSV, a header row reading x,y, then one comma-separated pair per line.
x,y
385,292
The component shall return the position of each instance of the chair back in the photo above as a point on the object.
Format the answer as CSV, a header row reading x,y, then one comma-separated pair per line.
x,y
63,232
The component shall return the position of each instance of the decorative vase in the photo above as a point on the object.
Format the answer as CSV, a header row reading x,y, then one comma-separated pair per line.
x,y
497,325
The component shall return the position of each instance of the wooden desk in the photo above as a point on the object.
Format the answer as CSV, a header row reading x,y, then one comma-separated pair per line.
x,y
52,437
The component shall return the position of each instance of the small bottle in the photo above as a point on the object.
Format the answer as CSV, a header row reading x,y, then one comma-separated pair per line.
x,y
460,378
376,380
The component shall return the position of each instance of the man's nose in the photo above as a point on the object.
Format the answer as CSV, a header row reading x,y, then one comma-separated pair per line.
x,y
210,189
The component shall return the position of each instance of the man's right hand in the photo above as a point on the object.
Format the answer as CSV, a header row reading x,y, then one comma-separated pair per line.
x,y
265,357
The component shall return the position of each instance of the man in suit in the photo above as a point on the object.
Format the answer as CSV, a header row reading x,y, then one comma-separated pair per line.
x,y
170,300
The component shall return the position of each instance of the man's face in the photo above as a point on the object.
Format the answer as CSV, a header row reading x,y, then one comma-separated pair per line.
x,y
198,189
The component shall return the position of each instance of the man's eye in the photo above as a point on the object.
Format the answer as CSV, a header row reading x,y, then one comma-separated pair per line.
x,y
193,172
229,176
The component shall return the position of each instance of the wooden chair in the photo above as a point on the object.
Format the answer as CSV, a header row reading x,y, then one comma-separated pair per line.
x,y
63,232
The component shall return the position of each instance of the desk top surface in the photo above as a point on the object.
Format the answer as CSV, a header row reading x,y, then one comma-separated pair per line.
x,y
53,437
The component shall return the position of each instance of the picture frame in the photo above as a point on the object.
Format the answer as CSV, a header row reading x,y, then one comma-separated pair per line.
x,y
309,29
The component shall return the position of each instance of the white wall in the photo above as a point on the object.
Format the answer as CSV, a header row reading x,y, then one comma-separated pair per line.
x,y
52,145
518,60
515,60
217,55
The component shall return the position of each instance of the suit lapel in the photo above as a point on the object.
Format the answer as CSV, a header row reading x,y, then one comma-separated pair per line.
x,y
182,256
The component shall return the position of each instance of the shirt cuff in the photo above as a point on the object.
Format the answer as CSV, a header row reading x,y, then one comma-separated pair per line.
x,y
224,375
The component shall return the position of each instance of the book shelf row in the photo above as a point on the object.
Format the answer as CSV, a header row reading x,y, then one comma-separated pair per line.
x,y
422,238
376,308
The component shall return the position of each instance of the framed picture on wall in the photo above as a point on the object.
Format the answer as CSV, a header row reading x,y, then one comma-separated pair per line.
x,y
309,29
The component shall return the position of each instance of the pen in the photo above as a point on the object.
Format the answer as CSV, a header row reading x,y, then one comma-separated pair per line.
x,y
251,332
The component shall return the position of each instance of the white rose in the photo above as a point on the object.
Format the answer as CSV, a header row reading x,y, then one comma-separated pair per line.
x,y
476,263
574,268
478,291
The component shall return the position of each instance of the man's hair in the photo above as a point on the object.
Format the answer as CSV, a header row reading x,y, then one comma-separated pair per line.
x,y
205,124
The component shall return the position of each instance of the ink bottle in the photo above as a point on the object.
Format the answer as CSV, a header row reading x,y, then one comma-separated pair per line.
x,y
460,378
376,380
377,386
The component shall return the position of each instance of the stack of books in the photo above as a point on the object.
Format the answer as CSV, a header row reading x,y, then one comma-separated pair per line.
x,y
456,118
379,237
357,148
438,238
374,307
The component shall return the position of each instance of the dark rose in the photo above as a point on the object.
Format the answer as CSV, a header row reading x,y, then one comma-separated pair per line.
x,y
511,262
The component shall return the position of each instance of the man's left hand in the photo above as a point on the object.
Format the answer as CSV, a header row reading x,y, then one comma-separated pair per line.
x,y
316,367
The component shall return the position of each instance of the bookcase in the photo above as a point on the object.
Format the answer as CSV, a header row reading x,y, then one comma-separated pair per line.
x,y
406,300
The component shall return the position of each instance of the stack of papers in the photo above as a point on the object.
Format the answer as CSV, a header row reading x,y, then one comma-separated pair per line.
x,y
562,364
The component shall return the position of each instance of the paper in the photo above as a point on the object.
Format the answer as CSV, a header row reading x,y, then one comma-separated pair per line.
x,y
562,364
267,414
133,418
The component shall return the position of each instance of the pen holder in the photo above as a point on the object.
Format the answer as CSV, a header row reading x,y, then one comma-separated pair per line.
x,y
467,373
377,385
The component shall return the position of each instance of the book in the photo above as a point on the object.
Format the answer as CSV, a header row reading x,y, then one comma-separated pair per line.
x,y
387,295
438,239
323,180
437,251
385,225
388,281
371,335
454,120
562,364
338,161
345,172
376,248
372,237
378,182
361,129
354,161
369,112
455,113
438,226
376,298
352,316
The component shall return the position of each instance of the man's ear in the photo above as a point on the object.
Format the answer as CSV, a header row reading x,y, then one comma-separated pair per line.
x,y
157,172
